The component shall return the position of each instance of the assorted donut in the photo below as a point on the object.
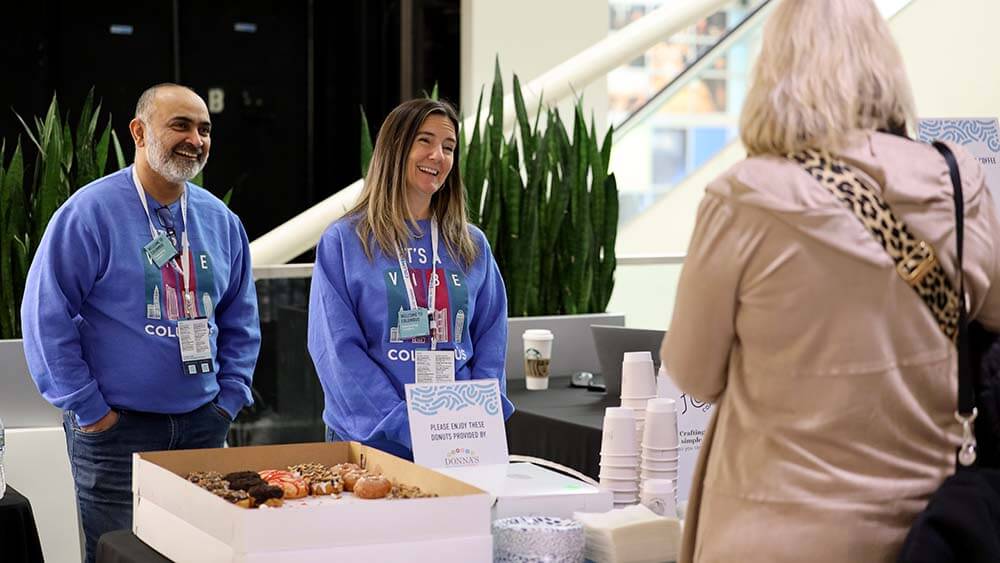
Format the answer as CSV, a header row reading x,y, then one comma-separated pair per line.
x,y
271,487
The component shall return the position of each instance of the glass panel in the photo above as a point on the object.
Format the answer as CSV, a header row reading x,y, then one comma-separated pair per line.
x,y
288,399
683,129
645,294
632,84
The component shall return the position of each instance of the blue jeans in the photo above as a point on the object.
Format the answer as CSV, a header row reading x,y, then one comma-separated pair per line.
x,y
332,436
102,461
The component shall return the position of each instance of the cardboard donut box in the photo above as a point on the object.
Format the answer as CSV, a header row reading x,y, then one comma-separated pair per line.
x,y
186,523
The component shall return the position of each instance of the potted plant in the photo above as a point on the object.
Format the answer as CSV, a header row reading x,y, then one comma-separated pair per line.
x,y
549,207
61,160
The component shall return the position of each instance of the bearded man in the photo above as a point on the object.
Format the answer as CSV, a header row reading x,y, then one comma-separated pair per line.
x,y
139,313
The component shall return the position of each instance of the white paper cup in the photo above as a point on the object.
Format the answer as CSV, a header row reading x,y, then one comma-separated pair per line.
x,y
658,486
655,465
660,404
638,376
661,430
624,497
662,504
619,436
659,456
664,386
537,358
620,485
654,474
661,451
608,472
638,405
625,462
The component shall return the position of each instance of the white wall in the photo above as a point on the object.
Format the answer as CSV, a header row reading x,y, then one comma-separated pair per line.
x,y
949,48
531,37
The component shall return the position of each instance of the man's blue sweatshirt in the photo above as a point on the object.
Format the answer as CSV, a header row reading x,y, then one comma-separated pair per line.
x,y
353,316
99,318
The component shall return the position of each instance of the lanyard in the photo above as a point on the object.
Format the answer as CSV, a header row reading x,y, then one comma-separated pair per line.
x,y
431,286
184,269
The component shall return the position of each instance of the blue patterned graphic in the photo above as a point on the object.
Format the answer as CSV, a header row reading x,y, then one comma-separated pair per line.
x,y
428,400
961,131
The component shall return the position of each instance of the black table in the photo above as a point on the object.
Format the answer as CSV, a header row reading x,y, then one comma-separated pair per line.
x,y
122,546
18,534
562,424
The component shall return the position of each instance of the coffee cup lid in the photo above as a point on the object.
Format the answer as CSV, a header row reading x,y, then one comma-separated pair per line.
x,y
538,334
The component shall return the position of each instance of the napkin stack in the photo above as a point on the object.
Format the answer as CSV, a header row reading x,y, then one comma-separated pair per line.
x,y
634,534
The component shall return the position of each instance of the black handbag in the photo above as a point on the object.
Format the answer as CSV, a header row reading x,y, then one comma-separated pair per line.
x,y
962,520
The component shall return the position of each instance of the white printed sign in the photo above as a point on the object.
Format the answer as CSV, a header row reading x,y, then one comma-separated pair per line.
x,y
457,424
692,420
979,136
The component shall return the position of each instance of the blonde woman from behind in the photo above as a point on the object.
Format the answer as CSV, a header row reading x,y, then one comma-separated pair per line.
x,y
833,383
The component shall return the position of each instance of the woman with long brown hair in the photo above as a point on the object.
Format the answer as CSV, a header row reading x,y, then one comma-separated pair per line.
x,y
404,284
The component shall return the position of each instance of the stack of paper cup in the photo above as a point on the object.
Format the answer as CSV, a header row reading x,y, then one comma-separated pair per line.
x,y
638,386
660,496
664,387
619,456
660,441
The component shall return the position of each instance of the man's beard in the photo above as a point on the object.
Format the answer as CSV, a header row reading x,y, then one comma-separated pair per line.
x,y
174,168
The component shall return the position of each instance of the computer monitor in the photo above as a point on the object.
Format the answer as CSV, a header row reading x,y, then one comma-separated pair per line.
x,y
611,343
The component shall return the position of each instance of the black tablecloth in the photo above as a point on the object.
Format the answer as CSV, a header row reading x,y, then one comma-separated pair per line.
x,y
18,533
561,424
122,546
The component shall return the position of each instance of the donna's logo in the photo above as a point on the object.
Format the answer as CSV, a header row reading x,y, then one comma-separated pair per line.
x,y
461,456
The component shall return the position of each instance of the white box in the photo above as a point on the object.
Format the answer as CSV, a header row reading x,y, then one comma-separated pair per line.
x,y
187,523
524,489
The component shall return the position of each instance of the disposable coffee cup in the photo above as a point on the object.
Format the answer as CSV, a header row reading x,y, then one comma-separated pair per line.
x,y
661,504
657,474
665,387
626,498
611,460
659,455
630,485
619,472
660,428
619,436
537,356
638,375
659,465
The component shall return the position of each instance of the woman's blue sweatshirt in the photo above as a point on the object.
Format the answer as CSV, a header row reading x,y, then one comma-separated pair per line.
x,y
353,315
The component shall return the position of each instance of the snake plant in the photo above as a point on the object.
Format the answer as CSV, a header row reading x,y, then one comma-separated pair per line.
x,y
63,162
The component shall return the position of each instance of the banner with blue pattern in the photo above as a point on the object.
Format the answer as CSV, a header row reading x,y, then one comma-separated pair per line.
x,y
980,136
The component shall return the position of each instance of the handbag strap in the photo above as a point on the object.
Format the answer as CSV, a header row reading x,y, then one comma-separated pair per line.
x,y
915,260
967,411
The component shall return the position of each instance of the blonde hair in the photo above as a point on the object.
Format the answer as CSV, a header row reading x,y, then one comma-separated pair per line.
x,y
826,67
382,213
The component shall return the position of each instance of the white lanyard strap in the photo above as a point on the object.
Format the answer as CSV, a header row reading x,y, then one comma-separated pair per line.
x,y
431,286
184,269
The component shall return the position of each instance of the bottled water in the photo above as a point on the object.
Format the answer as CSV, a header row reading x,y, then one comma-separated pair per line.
x,y
3,479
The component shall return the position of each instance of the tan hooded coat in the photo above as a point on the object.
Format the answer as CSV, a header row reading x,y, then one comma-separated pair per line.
x,y
834,387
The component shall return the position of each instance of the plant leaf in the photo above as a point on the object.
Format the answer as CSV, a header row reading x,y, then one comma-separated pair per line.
x,y
118,150
366,145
